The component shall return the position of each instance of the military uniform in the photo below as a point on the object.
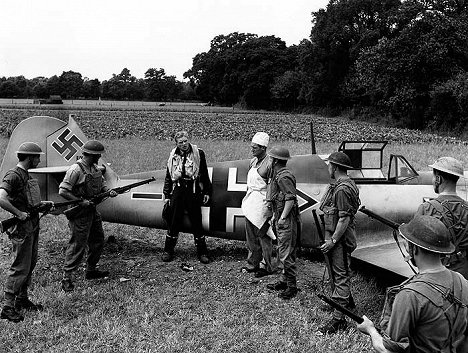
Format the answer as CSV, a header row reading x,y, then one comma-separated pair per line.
x,y
282,188
452,210
427,313
84,181
186,182
23,193
341,200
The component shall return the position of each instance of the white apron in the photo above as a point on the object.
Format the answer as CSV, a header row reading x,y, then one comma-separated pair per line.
x,y
254,205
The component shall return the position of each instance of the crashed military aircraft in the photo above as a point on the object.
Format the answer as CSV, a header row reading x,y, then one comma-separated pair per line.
x,y
394,194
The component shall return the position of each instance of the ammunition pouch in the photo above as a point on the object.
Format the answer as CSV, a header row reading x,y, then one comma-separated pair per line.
x,y
330,218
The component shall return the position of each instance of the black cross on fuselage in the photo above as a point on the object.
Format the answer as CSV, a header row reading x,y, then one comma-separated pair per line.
x,y
222,198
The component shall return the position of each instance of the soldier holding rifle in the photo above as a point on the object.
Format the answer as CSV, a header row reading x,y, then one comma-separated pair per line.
x,y
282,195
84,180
19,194
451,209
339,205
428,312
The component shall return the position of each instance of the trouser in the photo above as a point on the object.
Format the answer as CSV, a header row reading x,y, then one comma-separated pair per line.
x,y
287,239
340,261
184,199
24,253
86,232
259,247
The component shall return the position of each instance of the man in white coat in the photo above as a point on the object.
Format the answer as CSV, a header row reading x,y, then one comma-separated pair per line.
x,y
258,232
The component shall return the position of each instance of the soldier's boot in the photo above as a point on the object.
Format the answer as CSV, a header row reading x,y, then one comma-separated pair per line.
x,y
11,314
27,304
169,246
202,250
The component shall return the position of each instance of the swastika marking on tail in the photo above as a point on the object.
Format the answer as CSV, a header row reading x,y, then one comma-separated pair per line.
x,y
67,144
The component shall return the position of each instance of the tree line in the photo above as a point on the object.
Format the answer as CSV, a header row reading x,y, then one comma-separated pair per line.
x,y
406,61
155,86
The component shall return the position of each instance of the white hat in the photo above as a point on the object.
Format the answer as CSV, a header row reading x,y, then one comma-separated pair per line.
x,y
261,138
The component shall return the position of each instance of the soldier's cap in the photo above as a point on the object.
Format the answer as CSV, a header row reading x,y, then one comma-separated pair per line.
x,y
428,233
261,139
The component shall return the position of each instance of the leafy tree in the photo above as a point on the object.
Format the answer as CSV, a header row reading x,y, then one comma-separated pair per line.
x,y
71,84
399,73
123,86
39,87
338,35
240,68
53,85
158,86
91,88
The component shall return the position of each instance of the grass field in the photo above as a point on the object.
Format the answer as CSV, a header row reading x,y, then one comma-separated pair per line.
x,y
150,306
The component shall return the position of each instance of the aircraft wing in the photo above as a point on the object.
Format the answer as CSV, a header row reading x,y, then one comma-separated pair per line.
x,y
386,256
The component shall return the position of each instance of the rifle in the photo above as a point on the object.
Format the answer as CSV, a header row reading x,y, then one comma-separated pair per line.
x,y
325,256
44,208
341,308
73,211
394,225
380,218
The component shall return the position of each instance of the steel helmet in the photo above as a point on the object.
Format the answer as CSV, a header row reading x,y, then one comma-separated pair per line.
x,y
448,165
279,153
341,159
29,148
428,233
93,147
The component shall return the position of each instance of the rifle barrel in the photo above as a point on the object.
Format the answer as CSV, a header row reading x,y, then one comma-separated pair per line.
x,y
338,307
380,218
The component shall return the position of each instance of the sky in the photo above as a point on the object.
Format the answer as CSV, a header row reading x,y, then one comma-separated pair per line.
x,y
99,38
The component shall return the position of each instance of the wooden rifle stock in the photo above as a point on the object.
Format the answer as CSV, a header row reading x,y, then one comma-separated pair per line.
x,y
380,218
45,208
341,308
325,256
74,211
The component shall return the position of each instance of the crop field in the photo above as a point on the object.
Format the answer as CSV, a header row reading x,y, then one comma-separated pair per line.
x,y
150,306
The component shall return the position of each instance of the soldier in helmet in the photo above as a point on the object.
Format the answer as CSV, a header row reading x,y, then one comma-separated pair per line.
x,y
84,180
339,205
281,194
18,194
451,209
428,312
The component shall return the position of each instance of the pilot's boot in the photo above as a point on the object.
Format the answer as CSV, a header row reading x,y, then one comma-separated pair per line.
x,y
202,251
169,248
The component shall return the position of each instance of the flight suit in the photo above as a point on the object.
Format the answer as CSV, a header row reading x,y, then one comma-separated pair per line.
x,y
86,226
452,210
281,189
185,184
341,200
426,313
23,193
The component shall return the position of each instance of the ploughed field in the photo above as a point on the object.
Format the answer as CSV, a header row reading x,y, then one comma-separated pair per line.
x,y
204,124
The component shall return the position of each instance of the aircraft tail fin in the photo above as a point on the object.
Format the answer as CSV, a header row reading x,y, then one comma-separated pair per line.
x,y
60,141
